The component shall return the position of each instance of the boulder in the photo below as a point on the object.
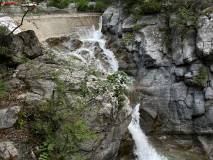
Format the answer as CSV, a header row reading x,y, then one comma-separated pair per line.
x,y
8,150
24,44
128,24
9,116
199,104
208,93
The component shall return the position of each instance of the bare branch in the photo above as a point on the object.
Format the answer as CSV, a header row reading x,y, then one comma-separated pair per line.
x,y
28,9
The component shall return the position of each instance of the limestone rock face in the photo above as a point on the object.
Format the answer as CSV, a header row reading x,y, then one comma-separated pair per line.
x,y
152,51
173,86
204,37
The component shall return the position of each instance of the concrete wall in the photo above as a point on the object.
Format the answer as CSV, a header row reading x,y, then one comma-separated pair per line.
x,y
47,26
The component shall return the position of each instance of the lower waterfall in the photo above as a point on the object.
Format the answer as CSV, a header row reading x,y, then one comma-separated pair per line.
x,y
143,150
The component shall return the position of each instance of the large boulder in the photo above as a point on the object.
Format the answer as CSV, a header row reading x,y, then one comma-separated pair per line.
x,y
20,46
9,116
8,150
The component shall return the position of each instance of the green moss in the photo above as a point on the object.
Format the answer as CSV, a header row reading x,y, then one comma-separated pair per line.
x,y
200,78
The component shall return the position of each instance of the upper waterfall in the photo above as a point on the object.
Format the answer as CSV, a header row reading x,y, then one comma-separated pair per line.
x,y
93,50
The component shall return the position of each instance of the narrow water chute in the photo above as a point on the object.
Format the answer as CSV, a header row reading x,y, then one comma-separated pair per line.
x,y
143,150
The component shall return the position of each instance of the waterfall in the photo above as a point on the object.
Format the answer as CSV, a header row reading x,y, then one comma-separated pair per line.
x,y
143,150
94,52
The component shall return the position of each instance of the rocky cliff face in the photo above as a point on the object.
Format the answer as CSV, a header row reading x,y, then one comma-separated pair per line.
x,y
173,85
32,82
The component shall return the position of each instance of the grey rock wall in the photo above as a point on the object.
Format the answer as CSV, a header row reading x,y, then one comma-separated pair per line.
x,y
175,98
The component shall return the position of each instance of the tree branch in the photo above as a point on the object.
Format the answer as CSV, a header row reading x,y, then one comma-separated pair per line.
x,y
28,9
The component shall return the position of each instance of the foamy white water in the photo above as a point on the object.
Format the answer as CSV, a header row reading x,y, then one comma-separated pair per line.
x,y
92,40
9,23
143,150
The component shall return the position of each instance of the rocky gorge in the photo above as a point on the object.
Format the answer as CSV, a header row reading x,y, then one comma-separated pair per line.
x,y
171,68
173,85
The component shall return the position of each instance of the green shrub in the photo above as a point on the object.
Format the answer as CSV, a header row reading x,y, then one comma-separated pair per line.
x,y
127,39
82,5
139,7
138,26
3,50
199,79
184,17
3,30
60,3
2,89
100,7
168,41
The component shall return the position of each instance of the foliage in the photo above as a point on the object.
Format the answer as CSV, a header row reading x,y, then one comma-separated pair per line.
x,y
60,3
168,41
127,39
2,89
140,7
138,26
25,59
3,30
3,50
184,18
82,5
199,79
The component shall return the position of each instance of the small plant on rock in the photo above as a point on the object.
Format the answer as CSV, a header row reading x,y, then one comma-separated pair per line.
x,y
127,39
200,78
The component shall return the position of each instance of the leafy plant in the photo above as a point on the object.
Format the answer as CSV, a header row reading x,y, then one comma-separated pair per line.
x,y
138,26
3,50
82,5
60,3
127,39
3,30
184,18
199,79
168,41
2,89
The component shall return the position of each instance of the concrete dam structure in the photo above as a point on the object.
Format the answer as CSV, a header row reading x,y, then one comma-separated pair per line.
x,y
47,26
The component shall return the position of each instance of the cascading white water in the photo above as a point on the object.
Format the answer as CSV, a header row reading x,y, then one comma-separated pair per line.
x,y
143,150
9,23
103,59
106,61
